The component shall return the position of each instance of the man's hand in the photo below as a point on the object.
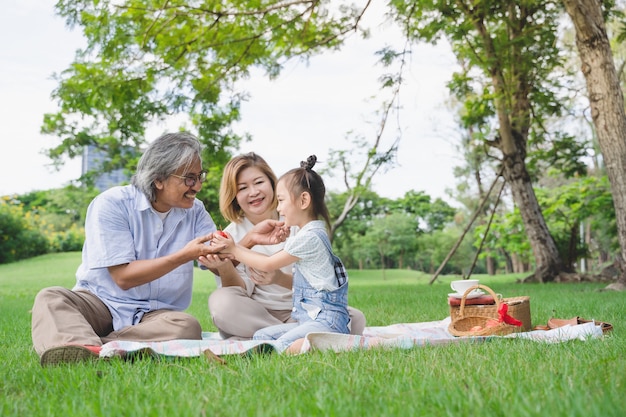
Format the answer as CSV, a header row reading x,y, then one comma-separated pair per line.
x,y
202,246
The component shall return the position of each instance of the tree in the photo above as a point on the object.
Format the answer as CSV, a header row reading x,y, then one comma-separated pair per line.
x,y
347,239
433,249
565,151
607,106
383,232
393,236
511,48
148,61
429,215
567,207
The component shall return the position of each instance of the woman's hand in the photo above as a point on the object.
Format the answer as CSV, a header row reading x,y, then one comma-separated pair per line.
x,y
213,262
269,232
270,277
261,277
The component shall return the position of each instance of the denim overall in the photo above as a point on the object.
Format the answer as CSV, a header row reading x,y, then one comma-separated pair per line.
x,y
313,310
327,307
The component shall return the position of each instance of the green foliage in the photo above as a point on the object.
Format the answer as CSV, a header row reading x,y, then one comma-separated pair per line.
x,y
433,248
42,222
430,215
564,153
506,234
515,94
69,240
346,240
391,239
522,66
383,233
585,200
20,233
148,62
61,208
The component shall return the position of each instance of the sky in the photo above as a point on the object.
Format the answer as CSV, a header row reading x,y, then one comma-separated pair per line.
x,y
309,109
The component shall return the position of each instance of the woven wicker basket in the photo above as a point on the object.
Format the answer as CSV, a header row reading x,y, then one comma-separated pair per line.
x,y
462,324
519,308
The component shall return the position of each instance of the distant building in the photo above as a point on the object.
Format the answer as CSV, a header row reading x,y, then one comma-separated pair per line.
x,y
92,160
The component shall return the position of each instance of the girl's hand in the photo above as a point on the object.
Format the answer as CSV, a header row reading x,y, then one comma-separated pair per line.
x,y
224,241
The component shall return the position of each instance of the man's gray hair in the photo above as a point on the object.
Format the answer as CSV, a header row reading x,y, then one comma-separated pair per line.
x,y
163,157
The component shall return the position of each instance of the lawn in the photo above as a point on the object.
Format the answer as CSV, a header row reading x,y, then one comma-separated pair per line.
x,y
499,378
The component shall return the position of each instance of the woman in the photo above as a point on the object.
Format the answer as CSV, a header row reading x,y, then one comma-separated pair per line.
x,y
248,299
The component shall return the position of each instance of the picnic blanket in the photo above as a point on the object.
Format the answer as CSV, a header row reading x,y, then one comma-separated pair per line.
x,y
400,335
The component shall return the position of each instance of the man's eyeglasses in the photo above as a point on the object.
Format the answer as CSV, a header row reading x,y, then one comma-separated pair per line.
x,y
190,180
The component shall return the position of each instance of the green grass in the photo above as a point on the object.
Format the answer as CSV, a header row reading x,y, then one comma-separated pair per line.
x,y
498,378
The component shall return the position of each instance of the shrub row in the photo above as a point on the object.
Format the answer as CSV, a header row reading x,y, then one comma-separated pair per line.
x,y
25,233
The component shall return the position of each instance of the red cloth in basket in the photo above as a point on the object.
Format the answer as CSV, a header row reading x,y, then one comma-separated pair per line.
x,y
483,299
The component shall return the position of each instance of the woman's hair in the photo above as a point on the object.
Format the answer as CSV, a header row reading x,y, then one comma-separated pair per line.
x,y
304,179
163,157
229,207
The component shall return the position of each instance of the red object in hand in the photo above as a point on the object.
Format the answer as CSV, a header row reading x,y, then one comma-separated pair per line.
x,y
222,234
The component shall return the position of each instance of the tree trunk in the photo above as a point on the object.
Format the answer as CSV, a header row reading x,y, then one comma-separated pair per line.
x,y
491,265
607,104
513,113
587,260
572,249
508,262
547,259
381,253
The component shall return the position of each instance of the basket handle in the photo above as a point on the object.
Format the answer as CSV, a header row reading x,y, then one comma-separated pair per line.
x,y
470,289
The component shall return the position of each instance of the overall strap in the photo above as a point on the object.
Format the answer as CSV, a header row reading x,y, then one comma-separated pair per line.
x,y
325,239
340,271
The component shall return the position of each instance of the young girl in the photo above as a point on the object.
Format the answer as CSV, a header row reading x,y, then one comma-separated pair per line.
x,y
320,295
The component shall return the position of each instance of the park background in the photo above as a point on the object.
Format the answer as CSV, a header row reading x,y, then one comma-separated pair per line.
x,y
42,235
425,194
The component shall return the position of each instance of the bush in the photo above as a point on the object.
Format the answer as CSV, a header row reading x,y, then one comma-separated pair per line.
x,y
25,231
70,240
20,236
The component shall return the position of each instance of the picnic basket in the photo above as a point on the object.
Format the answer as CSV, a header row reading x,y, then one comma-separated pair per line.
x,y
519,308
464,323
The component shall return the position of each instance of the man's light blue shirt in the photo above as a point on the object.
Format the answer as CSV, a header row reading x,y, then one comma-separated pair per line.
x,y
121,227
